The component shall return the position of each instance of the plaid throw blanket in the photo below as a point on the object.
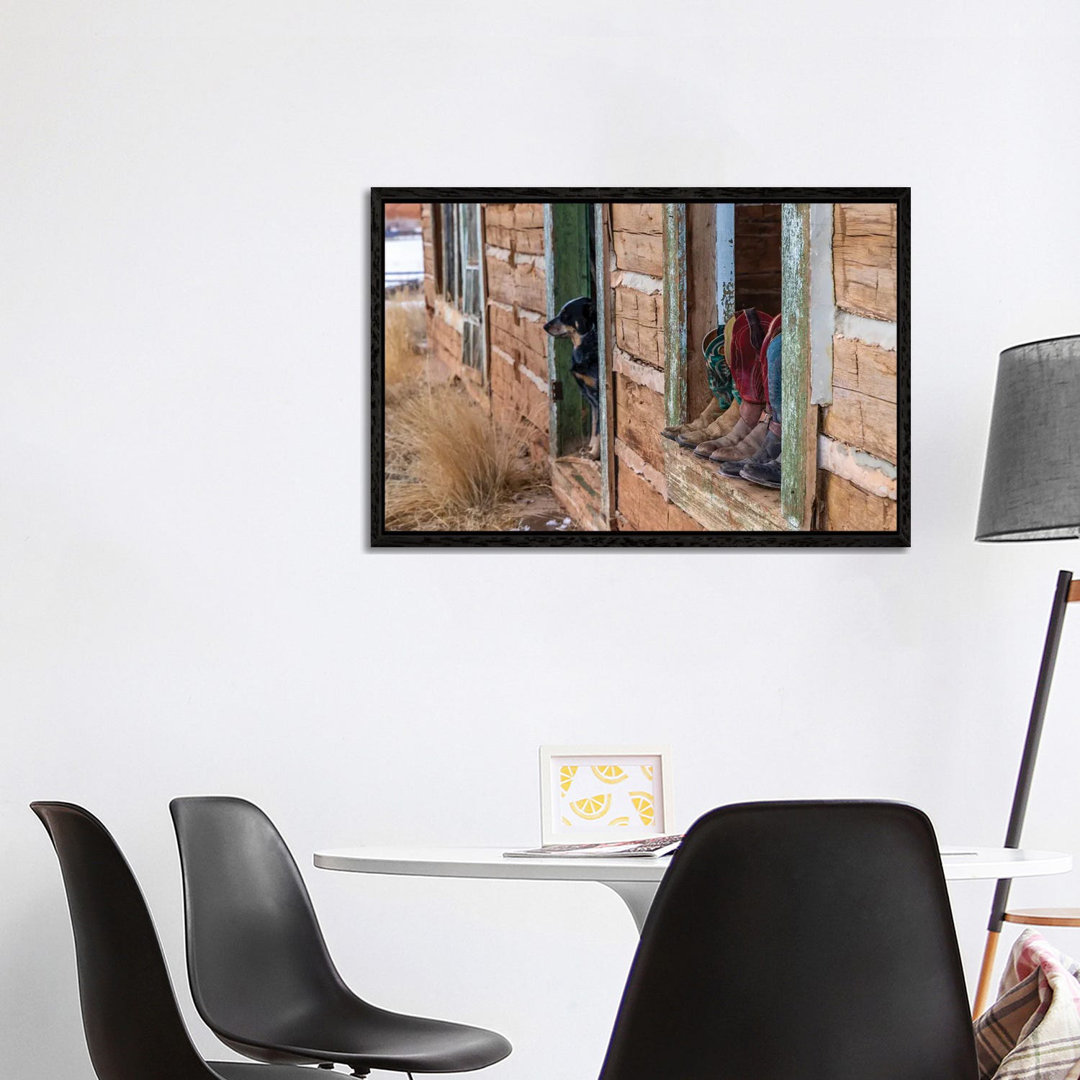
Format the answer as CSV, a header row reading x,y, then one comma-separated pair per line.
x,y
1032,1031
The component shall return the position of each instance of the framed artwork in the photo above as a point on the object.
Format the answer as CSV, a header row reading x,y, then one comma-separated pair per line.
x,y
595,793
640,367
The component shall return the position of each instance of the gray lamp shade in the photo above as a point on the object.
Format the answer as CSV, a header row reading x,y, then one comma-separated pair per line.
x,y
1031,485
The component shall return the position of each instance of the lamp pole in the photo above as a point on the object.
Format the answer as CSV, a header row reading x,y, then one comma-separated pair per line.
x,y
1063,594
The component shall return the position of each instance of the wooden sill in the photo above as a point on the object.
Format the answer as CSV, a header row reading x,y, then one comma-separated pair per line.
x,y
576,482
720,504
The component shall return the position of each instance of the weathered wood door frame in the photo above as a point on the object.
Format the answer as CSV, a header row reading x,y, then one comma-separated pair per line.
x,y
798,457
567,270
675,314
603,247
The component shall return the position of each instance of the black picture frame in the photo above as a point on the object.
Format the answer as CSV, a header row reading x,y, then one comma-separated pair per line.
x,y
900,537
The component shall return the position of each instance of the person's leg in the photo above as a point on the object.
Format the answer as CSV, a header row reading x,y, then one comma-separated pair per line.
x,y
764,469
750,386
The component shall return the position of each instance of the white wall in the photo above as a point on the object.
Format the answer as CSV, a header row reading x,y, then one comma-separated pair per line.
x,y
187,605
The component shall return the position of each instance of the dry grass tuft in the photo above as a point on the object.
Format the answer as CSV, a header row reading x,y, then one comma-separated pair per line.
x,y
450,468
405,334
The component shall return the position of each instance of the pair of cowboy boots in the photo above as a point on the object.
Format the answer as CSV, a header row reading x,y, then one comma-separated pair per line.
x,y
763,466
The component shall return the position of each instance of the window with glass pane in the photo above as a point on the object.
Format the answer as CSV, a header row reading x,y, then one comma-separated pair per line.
x,y
472,306
461,279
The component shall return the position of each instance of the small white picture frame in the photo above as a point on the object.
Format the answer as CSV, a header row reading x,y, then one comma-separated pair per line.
x,y
590,794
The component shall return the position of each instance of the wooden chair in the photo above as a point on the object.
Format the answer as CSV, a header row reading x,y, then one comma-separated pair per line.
x,y
1050,916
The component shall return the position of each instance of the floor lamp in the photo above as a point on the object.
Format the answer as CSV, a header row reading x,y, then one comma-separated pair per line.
x,y
1031,491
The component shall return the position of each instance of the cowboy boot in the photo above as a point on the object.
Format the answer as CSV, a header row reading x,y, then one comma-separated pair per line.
x,y
747,448
692,438
718,429
765,473
736,435
699,423
768,451
704,449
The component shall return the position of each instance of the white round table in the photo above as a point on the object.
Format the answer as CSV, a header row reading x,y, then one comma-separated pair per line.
x,y
636,879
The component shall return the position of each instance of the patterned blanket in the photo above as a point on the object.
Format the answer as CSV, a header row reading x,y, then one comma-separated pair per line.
x,y
1032,1031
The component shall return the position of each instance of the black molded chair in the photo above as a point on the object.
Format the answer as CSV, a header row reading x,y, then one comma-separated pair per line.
x,y
259,969
133,1026
798,941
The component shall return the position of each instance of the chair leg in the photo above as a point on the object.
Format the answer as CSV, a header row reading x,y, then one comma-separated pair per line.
x,y
987,970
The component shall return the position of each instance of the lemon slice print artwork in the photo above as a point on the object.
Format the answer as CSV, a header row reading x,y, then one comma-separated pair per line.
x,y
592,808
624,820
566,777
643,804
609,774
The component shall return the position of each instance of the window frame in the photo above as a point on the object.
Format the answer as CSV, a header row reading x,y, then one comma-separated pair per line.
x,y
692,486
452,267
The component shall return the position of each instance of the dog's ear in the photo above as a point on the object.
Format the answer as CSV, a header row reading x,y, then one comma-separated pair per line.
x,y
588,312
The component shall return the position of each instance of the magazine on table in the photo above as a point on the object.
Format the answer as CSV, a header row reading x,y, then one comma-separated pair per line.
x,y
650,847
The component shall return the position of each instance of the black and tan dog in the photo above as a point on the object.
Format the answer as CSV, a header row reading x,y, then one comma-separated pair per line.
x,y
577,321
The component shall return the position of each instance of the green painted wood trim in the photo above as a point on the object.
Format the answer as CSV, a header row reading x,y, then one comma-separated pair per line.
x,y
675,353
798,457
566,265
605,337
